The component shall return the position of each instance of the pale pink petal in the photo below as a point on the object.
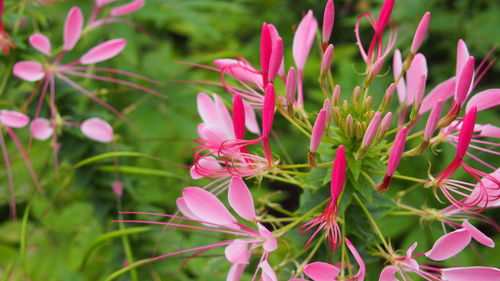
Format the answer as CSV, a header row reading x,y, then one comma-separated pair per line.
x,y
72,28
41,129
397,65
418,68
251,119
237,252
268,273
449,245
103,51
478,235
318,130
97,129
13,119
473,273
207,164
462,57
29,70
206,206
224,121
240,70
206,108
184,209
127,8
490,131
270,243
235,272
421,32
303,39
485,99
41,43
389,273
101,3
442,91
360,276
240,199
320,271
328,20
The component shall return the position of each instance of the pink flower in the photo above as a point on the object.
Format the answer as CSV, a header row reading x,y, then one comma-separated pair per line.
x,y
421,32
328,21
328,220
97,129
394,157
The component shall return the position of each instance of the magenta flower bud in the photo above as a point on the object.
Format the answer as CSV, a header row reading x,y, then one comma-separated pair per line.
x,y
268,110
265,51
375,68
338,173
396,151
420,33
326,61
371,131
466,131
291,86
432,122
328,20
238,117
464,82
318,130
384,124
117,187
336,95
276,59
384,16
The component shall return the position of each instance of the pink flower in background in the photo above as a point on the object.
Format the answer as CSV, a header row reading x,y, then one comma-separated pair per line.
x,y
93,128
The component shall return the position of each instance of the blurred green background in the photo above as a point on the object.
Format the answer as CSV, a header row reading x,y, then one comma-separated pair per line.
x,y
78,206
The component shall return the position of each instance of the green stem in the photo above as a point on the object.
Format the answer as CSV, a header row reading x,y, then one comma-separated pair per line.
x,y
372,221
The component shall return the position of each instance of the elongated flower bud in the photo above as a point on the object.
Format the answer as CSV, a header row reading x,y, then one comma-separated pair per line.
x,y
238,117
464,82
371,131
268,110
389,94
432,122
275,59
291,87
318,130
384,125
384,16
265,51
328,20
394,157
336,95
338,173
466,131
419,94
421,32
326,61
327,106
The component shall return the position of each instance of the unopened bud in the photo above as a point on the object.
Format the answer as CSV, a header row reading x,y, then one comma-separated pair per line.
x,y
384,125
291,88
326,61
336,95
421,32
431,125
355,95
371,131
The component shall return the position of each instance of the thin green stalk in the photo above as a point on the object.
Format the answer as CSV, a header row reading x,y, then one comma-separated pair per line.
x,y
372,221
285,229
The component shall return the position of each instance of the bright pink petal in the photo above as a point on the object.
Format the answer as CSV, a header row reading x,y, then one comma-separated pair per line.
x,y
206,206
41,129
207,164
72,28
318,130
237,252
485,99
268,273
240,199
41,43
449,245
478,235
29,70
396,151
462,57
270,243
326,61
328,20
13,119
476,273
303,39
235,272
103,51
268,110
320,271
421,32
418,68
360,276
97,129
127,8
464,81
338,174
443,91
389,273
466,132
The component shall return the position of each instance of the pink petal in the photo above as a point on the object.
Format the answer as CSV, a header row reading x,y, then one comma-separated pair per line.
x,y
418,68
396,151
490,131
127,8
291,86
338,174
328,20
41,129
443,91
303,39
251,119
270,243
397,65
384,16
224,118
326,61
432,122
476,273
240,199
29,70
13,119
206,108
318,130
235,272
466,132
184,209
103,51
389,273
208,164
449,245
238,117
360,276
276,59
371,131
464,82
462,57
320,271
268,110
240,70
206,206
485,99
478,235
97,129
72,28
101,3
421,32
237,252
268,273
41,43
